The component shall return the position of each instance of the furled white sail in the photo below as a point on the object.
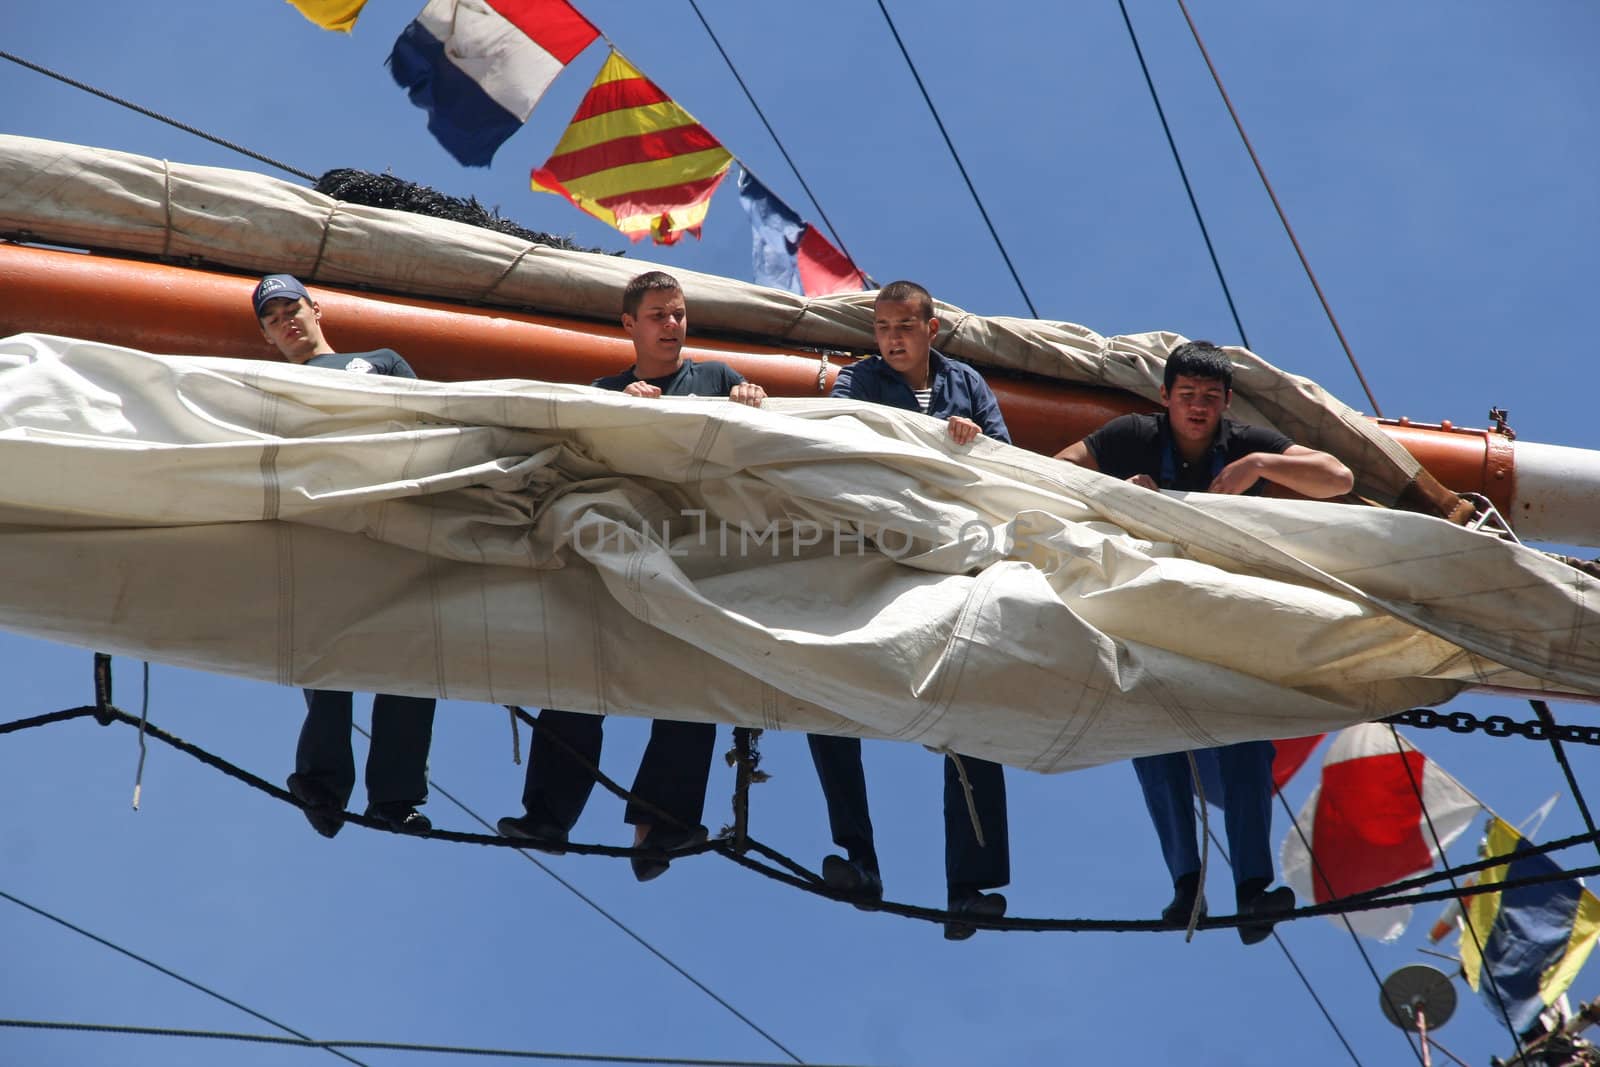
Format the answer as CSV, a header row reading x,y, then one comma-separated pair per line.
x,y
815,564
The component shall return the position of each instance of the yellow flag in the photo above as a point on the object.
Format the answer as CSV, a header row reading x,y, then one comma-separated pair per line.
x,y
331,14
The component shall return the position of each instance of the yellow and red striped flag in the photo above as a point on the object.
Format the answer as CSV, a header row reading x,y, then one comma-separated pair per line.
x,y
634,159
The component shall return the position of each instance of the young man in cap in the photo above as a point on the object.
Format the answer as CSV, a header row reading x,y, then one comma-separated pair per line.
x,y
1192,447
402,726
908,373
676,765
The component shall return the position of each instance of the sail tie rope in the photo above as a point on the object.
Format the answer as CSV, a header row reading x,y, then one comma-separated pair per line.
x,y
144,724
1205,848
966,791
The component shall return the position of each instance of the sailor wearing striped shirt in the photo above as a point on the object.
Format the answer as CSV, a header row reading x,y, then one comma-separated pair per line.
x,y
907,373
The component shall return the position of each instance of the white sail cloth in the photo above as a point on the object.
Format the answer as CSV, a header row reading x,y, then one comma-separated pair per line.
x,y
95,198
694,559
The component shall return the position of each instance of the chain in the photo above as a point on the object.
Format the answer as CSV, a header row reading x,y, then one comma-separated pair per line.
x,y
1464,722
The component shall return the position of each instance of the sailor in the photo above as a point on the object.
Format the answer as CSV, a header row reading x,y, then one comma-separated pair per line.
x,y
676,765
402,726
908,373
1192,447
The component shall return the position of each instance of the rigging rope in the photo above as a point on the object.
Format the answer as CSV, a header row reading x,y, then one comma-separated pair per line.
x,y
1466,913
592,903
801,878
1543,711
748,95
1194,205
1282,216
1026,299
1211,835
169,973
1355,939
158,116
382,1046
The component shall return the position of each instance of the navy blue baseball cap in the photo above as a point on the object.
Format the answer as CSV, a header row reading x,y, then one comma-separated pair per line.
x,y
277,287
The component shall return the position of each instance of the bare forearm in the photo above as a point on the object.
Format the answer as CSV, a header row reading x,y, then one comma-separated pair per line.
x,y
1314,474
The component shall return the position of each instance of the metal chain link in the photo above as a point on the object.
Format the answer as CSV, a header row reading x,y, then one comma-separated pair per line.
x,y
1464,722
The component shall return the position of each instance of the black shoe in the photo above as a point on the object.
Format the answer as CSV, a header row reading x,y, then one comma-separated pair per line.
x,y
542,836
662,839
978,905
400,817
1267,908
1184,892
855,879
317,803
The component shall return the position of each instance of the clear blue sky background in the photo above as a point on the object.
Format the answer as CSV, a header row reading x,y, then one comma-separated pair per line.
x,y
1438,161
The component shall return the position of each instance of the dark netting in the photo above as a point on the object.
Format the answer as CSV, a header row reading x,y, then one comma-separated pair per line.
x,y
387,191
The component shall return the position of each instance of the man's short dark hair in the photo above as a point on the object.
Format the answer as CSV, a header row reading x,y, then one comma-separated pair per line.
x,y
907,293
651,281
1198,359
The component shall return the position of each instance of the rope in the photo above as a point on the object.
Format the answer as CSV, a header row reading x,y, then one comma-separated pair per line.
x,y
1355,939
593,904
384,1046
1466,915
516,740
144,722
798,876
804,879
966,792
959,165
1211,836
1542,709
158,116
1194,205
1205,849
168,972
748,95
1282,216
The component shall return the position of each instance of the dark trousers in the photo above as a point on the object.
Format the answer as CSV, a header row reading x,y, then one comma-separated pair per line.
x,y
672,773
1245,771
397,762
968,866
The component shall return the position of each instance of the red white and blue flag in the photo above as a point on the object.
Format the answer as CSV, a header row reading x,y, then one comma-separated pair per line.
x,y
789,252
477,67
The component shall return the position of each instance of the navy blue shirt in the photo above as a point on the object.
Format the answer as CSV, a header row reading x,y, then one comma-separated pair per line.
x,y
383,361
1143,444
957,390
690,379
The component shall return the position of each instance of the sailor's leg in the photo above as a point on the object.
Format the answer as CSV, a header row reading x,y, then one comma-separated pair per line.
x,y
844,788
557,787
969,866
1169,795
397,763
673,773
323,753
1247,809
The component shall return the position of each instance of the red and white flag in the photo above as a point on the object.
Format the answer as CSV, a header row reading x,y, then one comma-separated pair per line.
x,y
1365,823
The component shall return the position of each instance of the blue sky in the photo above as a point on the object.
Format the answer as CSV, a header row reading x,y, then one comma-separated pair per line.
x,y
1436,160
